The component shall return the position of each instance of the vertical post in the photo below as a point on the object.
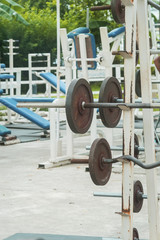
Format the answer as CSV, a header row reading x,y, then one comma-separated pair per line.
x,y
11,66
53,142
128,120
58,48
83,52
143,33
18,79
48,56
30,73
107,63
87,18
68,78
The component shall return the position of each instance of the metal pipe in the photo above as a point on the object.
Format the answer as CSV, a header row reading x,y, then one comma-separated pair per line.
x,y
108,7
153,4
123,106
114,195
114,148
117,195
131,159
99,8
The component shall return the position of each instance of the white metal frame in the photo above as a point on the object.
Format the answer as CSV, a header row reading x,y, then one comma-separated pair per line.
x,y
143,32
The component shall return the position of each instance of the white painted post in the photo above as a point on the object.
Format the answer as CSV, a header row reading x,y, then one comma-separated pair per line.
x,y
53,142
83,52
128,120
107,63
68,78
11,65
30,73
143,33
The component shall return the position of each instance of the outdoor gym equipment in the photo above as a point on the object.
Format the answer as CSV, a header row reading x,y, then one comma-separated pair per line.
x,y
118,9
79,104
100,161
138,196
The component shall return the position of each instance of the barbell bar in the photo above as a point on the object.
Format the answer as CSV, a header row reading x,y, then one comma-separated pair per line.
x,y
117,9
117,195
79,104
137,149
138,196
100,161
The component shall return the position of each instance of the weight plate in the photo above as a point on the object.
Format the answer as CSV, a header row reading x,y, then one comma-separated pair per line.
x,y
100,172
138,84
136,145
138,199
79,119
137,54
118,11
110,89
135,234
157,63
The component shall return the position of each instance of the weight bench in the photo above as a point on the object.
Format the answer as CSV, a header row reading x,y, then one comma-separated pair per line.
x,y
52,79
6,76
5,137
35,236
2,65
4,131
25,112
90,44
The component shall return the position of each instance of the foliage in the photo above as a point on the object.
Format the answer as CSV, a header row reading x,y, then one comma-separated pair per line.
x,y
40,35
8,10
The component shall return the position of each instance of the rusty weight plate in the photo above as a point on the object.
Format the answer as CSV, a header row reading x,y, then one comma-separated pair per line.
x,y
136,145
100,172
118,11
110,89
135,234
138,83
138,199
137,54
79,119
157,63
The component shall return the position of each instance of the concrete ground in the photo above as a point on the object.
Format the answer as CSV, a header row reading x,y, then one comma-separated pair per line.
x,y
59,200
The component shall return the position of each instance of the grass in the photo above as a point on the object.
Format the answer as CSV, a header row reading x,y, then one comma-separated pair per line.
x,y
3,108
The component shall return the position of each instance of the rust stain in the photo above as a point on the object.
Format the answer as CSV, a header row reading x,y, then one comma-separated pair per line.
x,y
131,92
123,142
126,210
130,145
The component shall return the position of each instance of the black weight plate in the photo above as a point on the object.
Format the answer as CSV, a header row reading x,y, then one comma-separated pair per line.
x,y
110,89
138,84
79,119
157,63
137,196
118,11
135,234
137,54
100,172
136,145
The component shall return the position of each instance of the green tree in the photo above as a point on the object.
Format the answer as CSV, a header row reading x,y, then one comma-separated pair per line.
x,y
40,34
8,10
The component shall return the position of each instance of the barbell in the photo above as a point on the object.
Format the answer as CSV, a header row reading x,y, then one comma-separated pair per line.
x,y
100,161
137,148
138,196
118,9
79,104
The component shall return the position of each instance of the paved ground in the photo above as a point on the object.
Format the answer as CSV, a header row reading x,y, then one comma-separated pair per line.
x,y
58,200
